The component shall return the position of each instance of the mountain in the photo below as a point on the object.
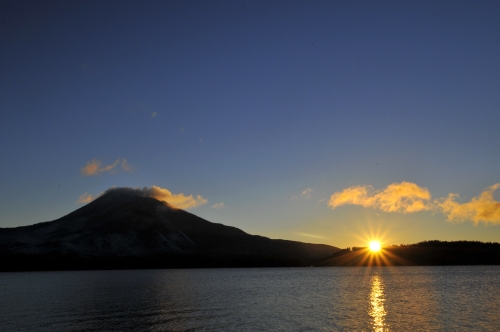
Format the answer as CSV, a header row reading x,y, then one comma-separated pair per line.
x,y
124,229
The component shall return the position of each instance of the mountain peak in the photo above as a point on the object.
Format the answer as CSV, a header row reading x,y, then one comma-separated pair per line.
x,y
128,226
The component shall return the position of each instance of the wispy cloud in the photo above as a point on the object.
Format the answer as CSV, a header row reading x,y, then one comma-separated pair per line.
x,y
480,208
126,167
85,198
320,201
403,197
179,201
311,235
218,206
306,195
95,167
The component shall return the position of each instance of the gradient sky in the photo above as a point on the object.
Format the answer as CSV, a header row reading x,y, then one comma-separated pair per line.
x,y
276,116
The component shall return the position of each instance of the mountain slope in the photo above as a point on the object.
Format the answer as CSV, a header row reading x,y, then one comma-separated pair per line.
x,y
123,229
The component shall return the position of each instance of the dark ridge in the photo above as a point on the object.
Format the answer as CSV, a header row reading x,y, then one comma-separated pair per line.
x,y
456,244
433,252
125,230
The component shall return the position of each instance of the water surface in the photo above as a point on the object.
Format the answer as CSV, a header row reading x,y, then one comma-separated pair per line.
x,y
272,299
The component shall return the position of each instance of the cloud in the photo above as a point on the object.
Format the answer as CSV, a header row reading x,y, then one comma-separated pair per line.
x,y
94,167
481,208
306,194
218,206
311,235
403,197
85,198
125,166
408,197
320,201
180,201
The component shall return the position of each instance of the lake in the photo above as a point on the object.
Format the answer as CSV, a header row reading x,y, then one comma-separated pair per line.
x,y
270,299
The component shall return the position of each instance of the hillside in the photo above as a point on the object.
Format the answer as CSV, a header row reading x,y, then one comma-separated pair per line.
x,y
423,253
122,229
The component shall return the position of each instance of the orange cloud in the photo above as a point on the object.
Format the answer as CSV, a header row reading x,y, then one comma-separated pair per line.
x,y
403,197
481,208
94,167
408,197
85,198
180,201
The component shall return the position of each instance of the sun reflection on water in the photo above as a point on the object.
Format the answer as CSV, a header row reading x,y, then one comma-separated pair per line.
x,y
376,310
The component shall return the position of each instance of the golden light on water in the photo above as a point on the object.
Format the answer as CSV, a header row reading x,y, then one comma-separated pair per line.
x,y
374,246
376,309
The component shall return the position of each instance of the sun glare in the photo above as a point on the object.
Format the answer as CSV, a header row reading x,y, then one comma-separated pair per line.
x,y
374,246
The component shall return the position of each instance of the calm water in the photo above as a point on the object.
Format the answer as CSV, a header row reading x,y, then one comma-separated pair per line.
x,y
287,299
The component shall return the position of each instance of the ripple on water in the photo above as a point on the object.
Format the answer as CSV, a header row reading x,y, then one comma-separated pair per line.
x,y
279,299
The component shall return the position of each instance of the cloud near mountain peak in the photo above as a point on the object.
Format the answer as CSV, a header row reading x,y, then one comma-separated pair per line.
x,y
179,201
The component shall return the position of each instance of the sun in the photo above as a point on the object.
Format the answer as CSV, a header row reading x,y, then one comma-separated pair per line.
x,y
374,246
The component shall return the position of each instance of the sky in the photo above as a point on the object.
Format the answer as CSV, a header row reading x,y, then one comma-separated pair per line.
x,y
328,122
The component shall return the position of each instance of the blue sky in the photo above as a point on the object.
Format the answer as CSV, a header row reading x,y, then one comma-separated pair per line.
x,y
270,108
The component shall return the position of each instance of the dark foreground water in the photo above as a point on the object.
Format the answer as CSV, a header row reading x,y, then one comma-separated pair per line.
x,y
279,299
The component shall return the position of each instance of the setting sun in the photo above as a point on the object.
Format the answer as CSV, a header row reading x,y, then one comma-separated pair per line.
x,y
374,246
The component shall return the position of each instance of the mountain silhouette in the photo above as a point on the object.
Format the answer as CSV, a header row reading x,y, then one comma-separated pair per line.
x,y
124,229
433,252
